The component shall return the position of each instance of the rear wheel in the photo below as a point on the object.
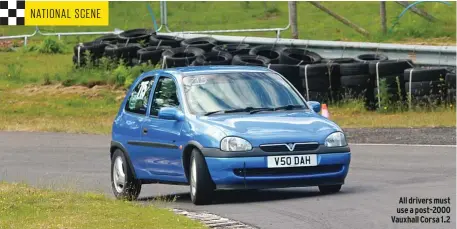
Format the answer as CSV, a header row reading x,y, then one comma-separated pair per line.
x,y
123,182
201,185
328,189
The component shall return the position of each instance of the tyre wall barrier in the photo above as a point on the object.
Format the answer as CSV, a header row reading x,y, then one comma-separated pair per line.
x,y
319,78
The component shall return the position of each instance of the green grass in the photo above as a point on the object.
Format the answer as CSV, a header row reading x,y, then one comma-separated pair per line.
x,y
83,110
353,114
53,109
25,68
24,207
312,23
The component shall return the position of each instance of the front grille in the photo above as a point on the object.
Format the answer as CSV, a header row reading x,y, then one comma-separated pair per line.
x,y
305,147
284,148
312,170
274,148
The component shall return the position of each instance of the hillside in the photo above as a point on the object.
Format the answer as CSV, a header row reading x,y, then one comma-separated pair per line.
x,y
313,23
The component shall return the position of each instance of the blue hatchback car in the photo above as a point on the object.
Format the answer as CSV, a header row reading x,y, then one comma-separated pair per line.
x,y
223,127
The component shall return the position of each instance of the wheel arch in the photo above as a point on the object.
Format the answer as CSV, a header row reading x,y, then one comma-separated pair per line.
x,y
118,146
186,153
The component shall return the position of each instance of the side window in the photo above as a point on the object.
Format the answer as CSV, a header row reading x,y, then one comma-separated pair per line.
x,y
165,95
138,100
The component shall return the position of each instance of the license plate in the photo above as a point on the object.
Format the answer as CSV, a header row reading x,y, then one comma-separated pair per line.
x,y
291,161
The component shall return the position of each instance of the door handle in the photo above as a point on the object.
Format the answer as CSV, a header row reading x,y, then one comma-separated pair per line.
x,y
145,131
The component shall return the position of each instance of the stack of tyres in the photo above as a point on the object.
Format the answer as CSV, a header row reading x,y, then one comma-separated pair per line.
x,y
321,81
182,56
357,83
213,58
389,80
317,78
425,85
233,49
92,51
289,63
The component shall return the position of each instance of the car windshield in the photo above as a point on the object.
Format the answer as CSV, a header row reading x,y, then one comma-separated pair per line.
x,y
238,92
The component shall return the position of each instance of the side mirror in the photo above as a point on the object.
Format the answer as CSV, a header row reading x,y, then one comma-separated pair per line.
x,y
316,106
171,113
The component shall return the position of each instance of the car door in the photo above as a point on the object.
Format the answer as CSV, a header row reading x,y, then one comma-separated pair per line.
x,y
161,136
128,124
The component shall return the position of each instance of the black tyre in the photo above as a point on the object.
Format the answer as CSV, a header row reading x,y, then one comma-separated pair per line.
x,y
342,60
205,43
214,58
297,56
201,185
122,51
234,49
291,73
371,57
425,74
426,88
329,189
180,57
165,40
107,39
95,49
252,60
271,52
128,188
321,76
389,67
450,80
136,36
357,68
362,81
151,54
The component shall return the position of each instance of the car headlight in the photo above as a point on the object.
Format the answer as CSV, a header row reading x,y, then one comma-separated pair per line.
x,y
335,140
235,144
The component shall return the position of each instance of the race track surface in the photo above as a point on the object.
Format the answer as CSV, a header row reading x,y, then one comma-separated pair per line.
x,y
378,177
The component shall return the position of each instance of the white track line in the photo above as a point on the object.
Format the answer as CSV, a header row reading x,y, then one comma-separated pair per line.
x,y
411,145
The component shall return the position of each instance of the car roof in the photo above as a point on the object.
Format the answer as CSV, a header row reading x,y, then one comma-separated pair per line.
x,y
191,70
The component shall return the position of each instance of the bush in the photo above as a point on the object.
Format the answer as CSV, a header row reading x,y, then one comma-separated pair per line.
x,y
51,45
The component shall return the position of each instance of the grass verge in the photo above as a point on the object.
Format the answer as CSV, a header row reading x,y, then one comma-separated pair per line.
x,y
79,109
354,115
25,207
53,108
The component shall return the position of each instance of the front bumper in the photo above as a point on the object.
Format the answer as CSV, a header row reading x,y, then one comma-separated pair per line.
x,y
242,172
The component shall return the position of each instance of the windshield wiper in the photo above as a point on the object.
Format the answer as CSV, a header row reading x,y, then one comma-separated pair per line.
x,y
246,109
214,112
262,109
253,110
289,107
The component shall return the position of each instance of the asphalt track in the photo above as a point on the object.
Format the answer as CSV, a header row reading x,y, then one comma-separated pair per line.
x,y
378,177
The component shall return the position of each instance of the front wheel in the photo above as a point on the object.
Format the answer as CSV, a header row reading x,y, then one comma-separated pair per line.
x,y
123,182
201,184
328,189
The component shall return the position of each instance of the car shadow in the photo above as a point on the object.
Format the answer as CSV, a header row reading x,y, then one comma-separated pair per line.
x,y
251,196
